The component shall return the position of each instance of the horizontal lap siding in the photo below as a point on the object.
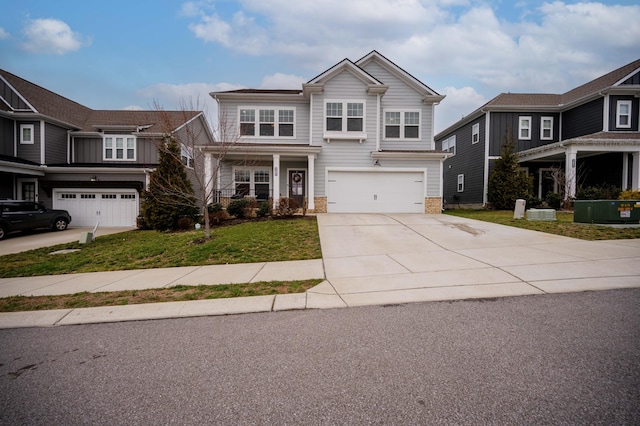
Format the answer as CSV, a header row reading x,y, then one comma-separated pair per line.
x,y
613,112
229,114
89,151
400,96
338,153
29,152
6,137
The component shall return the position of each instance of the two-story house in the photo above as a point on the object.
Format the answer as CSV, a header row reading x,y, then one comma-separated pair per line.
x,y
590,133
93,163
356,138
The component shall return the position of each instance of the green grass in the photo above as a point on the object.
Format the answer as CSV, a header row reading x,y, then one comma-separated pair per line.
x,y
564,225
262,241
172,294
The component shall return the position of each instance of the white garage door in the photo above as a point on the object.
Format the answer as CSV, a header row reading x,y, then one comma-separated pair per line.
x,y
112,207
375,191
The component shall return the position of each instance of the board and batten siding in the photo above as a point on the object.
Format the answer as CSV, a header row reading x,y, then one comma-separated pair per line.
x,y
583,120
56,145
613,112
89,151
400,96
342,153
7,138
469,161
229,115
32,151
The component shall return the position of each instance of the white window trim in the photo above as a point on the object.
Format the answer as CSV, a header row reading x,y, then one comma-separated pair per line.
x,y
475,133
542,120
186,156
402,124
113,148
276,117
619,115
521,120
23,141
345,134
252,182
460,185
448,142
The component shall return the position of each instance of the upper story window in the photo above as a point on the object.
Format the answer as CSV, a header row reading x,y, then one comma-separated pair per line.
x,y
119,148
270,122
475,133
344,116
524,128
623,114
26,133
449,144
186,155
546,128
402,124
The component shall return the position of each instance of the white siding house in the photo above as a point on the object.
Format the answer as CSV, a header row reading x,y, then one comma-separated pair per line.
x,y
356,138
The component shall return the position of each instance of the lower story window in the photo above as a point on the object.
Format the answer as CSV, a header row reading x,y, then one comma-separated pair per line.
x,y
252,182
460,183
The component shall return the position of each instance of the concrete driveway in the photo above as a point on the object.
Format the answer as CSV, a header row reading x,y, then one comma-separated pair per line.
x,y
397,258
19,242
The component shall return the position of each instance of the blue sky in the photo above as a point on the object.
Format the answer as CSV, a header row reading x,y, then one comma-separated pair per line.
x,y
127,54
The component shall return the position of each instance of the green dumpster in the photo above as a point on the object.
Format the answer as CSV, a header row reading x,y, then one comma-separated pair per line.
x,y
606,211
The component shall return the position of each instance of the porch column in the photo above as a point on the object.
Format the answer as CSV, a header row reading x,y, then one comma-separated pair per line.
x,y
570,170
311,182
276,180
625,171
208,177
635,173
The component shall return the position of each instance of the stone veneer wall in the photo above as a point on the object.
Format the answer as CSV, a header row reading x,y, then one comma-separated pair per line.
x,y
433,205
320,204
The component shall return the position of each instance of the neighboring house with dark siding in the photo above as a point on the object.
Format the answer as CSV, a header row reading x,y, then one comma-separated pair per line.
x,y
590,132
356,138
94,163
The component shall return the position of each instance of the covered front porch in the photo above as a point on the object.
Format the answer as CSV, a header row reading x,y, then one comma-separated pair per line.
x,y
611,158
262,172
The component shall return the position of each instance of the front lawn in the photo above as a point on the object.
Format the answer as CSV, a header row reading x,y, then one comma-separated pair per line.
x,y
564,225
263,241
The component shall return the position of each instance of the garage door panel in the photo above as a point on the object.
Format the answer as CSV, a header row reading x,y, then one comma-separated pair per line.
x,y
375,192
110,207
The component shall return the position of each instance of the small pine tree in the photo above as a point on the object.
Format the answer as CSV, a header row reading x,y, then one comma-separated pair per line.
x,y
507,181
170,195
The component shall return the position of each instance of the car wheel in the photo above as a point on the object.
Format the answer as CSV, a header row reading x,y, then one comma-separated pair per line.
x,y
60,224
3,233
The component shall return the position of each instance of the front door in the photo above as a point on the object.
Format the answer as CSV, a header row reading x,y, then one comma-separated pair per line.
x,y
27,190
297,185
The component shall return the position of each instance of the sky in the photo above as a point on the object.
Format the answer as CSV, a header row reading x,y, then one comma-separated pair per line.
x,y
137,54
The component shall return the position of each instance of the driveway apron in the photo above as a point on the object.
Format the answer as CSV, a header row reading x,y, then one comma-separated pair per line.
x,y
398,258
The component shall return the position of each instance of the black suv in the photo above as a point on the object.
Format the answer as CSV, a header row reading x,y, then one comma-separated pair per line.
x,y
28,215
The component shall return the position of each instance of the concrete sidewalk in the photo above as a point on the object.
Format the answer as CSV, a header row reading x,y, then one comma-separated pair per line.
x,y
367,260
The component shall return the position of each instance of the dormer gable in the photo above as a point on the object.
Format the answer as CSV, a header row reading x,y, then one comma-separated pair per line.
x,y
316,84
429,94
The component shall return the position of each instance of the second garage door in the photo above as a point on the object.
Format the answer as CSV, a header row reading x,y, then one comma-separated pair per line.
x,y
112,207
375,191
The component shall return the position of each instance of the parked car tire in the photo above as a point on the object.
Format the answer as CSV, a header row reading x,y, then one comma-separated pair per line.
x,y
60,224
3,233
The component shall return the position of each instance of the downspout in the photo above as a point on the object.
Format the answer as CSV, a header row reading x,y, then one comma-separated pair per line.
x,y
487,133
378,123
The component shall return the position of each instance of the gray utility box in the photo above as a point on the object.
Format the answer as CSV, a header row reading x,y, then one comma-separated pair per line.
x,y
606,211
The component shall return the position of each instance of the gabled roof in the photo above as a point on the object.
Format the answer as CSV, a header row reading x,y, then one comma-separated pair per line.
x,y
347,65
375,56
43,102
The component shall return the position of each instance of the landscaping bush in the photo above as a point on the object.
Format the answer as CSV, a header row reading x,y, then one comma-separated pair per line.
x,y
214,207
286,207
215,218
604,192
185,224
264,209
629,194
238,207
553,200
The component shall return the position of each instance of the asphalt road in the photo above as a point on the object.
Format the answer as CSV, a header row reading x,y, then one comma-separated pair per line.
x,y
553,359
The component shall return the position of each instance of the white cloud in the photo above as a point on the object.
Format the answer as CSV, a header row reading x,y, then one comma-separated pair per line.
x,y
3,34
460,101
283,81
51,36
543,46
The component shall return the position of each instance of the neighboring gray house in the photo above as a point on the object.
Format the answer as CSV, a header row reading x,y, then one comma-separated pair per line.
x,y
356,138
590,132
93,163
